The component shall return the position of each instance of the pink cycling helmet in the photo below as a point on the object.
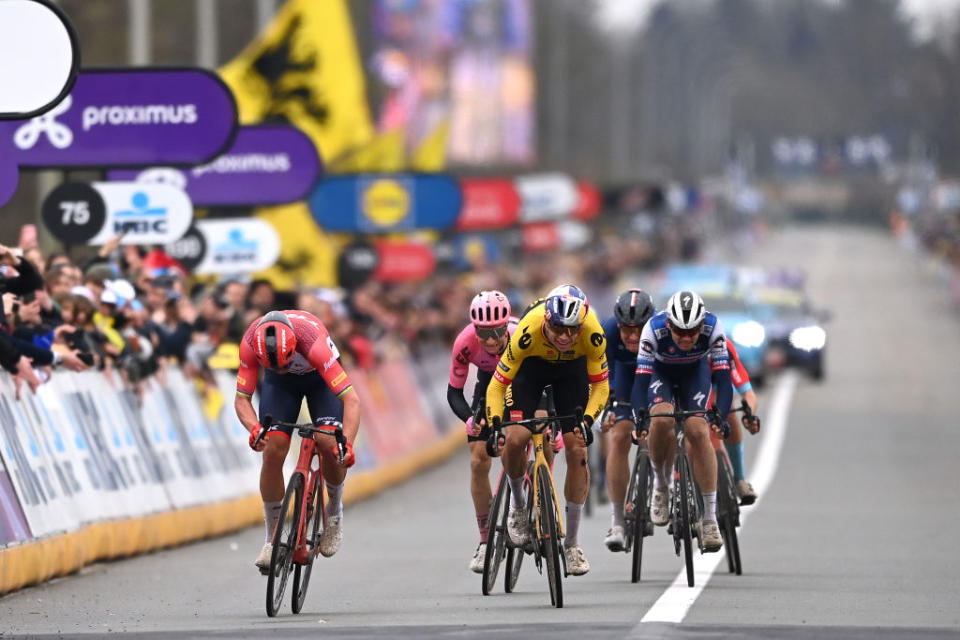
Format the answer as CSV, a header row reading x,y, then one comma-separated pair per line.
x,y
489,309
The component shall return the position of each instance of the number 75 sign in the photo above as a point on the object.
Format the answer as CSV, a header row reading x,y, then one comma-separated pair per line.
x,y
80,213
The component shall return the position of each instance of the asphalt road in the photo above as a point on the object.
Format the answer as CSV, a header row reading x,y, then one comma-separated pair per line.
x,y
855,536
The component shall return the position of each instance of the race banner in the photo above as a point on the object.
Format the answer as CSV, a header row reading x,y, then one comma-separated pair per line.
x,y
237,245
400,261
385,203
264,165
589,202
143,213
488,203
546,196
128,117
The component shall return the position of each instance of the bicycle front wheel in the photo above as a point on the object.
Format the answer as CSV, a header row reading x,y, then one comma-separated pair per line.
x,y
550,538
496,536
284,542
301,573
640,500
685,494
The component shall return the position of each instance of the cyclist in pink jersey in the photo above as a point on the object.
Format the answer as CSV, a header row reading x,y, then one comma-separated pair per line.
x,y
481,342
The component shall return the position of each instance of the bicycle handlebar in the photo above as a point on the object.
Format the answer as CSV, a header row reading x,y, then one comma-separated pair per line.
x,y
530,424
306,430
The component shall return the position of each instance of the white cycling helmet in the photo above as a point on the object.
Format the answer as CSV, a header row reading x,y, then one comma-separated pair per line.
x,y
685,310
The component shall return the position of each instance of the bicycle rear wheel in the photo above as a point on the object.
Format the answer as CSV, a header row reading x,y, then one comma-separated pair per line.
x,y
685,495
512,570
550,540
640,481
284,542
301,573
728,513
496,536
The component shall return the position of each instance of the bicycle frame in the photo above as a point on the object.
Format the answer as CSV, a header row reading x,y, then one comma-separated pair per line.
x,y
308,451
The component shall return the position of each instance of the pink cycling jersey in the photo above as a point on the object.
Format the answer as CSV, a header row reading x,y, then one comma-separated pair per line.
x,y
467,349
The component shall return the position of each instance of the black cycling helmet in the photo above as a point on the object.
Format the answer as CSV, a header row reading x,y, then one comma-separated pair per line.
x,y
633,308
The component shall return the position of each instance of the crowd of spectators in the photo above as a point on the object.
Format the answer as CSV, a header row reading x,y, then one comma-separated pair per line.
x,y
130,311
934,231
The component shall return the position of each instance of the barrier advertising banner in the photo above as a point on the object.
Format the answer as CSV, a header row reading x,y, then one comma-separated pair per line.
x,y
385,203
546,196
264,165
488,203
129,117
237,245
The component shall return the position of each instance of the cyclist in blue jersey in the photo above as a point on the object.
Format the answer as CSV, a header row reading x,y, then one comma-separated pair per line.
x,y
683,346
630,313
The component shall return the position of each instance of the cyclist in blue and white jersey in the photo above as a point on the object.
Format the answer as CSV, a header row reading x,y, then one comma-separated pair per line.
x,y
684,346
630,313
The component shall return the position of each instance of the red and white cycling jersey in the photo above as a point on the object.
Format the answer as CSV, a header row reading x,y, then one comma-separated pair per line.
x,y
315,352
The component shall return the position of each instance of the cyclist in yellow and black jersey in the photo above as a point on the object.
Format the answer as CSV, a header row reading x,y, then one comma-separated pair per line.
x,y
559,342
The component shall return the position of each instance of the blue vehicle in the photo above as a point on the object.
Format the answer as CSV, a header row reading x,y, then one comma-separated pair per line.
x,y
794,330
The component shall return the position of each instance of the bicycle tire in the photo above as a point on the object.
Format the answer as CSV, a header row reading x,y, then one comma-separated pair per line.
x,y
512,569
550,542
301,573
284,541
641,508
729,512
686,511
496,536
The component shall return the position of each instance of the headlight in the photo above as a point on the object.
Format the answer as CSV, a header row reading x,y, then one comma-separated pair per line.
x,y
749,334
808,338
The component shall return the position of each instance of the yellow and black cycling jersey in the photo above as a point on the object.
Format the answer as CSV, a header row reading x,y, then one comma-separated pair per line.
x,y
530,341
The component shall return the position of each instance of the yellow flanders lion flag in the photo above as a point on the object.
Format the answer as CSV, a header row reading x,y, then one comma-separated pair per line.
x,y
304,68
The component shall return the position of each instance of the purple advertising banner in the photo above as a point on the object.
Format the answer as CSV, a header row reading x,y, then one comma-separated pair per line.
x,y
130,117
9,176
269,164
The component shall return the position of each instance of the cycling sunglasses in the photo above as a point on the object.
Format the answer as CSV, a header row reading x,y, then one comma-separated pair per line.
x,y
562,330
693,332
485,333
631,329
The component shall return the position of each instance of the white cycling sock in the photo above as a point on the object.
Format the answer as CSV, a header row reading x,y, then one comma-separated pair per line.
x,y
573,524
710,506
616,514
660,475
271,516
517,499
334,500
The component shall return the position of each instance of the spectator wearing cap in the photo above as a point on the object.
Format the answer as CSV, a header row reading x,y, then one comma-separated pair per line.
x,y
106,317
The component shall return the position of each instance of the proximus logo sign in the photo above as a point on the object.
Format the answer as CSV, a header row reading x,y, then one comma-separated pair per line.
x,y
147,114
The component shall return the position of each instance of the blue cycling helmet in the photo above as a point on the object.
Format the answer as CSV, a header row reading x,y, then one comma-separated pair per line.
x,y
566,306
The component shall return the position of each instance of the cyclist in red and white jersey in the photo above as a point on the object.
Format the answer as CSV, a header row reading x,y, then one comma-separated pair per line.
x,y
299,361
734,442
480,343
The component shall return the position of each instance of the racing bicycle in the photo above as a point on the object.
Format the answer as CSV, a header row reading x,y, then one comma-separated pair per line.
x,y
542,499
685,506
296,539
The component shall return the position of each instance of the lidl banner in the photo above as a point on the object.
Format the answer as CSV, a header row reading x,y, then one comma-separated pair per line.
x,y
385,203
488,203
269,164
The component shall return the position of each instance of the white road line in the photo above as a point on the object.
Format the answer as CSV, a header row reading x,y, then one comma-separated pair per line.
x,y
673,605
